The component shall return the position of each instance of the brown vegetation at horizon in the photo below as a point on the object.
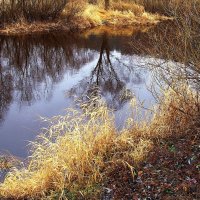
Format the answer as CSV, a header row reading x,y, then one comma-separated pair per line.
x,y
76,15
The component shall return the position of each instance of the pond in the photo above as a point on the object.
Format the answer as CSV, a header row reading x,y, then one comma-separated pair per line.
x,y
42,75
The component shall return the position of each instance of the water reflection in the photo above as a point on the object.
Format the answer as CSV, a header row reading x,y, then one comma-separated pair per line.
x,y
104,78
30,66
173,42
6,88
36,73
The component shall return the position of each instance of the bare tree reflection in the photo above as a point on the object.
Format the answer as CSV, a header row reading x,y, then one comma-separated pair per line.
x,y
6,89
105,80
35,63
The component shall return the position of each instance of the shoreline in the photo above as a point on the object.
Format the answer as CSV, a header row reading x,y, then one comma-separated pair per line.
x,y
112,19
48,27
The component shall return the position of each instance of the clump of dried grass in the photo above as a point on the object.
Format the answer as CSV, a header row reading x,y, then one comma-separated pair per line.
x,y
116,18
178,113
78,150
138,10
74,8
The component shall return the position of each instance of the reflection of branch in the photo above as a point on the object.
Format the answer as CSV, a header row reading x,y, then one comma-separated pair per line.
x,y
6,88
120,62
107,78
104,58
37,63
104,81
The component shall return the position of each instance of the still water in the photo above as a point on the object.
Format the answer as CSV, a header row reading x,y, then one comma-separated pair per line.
x,y
42,75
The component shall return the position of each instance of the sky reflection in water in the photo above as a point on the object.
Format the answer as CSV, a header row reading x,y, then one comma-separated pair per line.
x,y
42,75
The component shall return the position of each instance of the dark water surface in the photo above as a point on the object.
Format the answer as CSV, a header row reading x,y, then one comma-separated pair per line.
x,y
42,75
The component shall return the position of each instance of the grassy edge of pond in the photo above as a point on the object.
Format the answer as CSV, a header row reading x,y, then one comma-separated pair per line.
x,y
80,16
146,159
81,153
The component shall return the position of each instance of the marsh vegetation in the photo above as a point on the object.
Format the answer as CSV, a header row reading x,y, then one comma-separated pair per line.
x,y
74,15
89,152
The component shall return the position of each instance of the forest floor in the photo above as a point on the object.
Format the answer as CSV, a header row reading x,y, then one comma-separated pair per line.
x,y
171,171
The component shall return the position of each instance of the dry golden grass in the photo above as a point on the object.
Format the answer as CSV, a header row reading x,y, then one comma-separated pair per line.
x,y
138,10
80,149
25,27
8,161
99,16
79,16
